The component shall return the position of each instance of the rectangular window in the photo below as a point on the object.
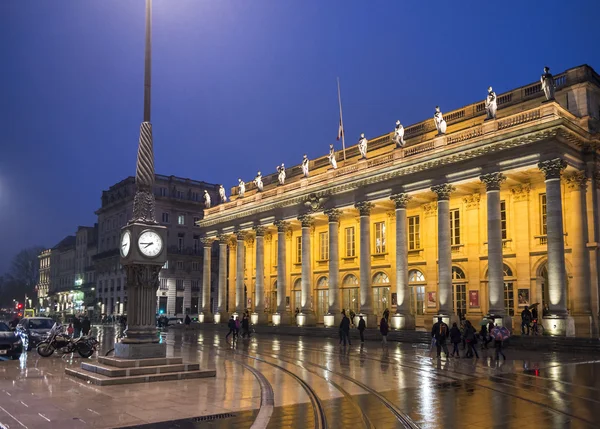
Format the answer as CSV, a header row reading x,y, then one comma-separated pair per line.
x,y
414,233
163,285
179,284
162,192
350,243
509,299
165,217
180,194
324,246
380,237
195,285
298,250
180,265
196,244
179,305
180,243
195,266
543,214
454,227
196,219
503,219
195,196
181,219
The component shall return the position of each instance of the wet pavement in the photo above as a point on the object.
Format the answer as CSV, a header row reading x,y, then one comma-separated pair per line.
x,y
281,381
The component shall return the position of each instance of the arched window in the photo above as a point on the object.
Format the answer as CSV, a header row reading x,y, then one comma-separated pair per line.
x,y
458,274
459,290
509,291
507,271
298,284
323,283
415,276
350,280
381,278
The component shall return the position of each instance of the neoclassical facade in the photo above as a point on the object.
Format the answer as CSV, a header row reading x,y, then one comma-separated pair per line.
x,y
491,216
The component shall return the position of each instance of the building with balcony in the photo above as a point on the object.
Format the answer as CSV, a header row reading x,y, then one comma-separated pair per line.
x,y
483,220
179,204
43,285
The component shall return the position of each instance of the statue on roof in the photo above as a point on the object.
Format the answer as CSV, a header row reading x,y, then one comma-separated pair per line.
x,y
331,157
305,163
399,134
491,104
241,188
362,146
258,181
281,174
440,123
548,84
206,199
222,194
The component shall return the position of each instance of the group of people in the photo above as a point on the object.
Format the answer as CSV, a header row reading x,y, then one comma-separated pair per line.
x,y
346,323
467,335
235,325
79,326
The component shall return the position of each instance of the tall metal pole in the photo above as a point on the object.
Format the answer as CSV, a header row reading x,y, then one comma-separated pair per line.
x,y
148,62
341,119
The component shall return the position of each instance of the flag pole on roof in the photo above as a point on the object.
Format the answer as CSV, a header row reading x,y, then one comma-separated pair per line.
x,y
341,126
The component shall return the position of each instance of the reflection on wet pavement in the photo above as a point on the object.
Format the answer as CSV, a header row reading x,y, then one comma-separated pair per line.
x,y
315,383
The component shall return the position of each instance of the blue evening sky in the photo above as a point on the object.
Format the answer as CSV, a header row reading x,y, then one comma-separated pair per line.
x,y
240,86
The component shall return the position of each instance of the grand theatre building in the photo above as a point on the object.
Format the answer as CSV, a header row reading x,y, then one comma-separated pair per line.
x,y
483,220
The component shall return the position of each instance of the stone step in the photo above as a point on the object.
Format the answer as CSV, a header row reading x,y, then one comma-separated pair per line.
x,y
103,380
111,371
134,363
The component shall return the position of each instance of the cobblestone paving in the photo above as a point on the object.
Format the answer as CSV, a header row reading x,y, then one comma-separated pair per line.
x,y
316,383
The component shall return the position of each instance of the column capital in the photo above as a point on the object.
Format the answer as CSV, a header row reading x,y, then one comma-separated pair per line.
x,y
401,200
521,192
492,181
364,207
333,214
443,191
282,225
249,240
259,230
223,239
207,241
268,237
552,168
306,220
241,235
577,181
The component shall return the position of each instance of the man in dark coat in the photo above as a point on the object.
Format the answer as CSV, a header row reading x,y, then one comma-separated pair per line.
x,y
345,329
361,328
441,332
86,326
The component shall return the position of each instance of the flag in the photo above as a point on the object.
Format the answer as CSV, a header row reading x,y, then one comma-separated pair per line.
x,y
340,130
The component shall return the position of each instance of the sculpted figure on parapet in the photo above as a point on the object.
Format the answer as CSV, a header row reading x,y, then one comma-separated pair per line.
x,y
362,146
440,123
548,84
258,181
206,199
491,105
222,194
305,163
241,188
281,174
399,134
331,157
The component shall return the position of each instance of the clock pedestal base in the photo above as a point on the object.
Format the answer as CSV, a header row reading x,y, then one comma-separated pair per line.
x,y
140,351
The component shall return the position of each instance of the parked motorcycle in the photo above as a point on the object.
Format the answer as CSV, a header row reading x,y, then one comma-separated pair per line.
x,y
59,341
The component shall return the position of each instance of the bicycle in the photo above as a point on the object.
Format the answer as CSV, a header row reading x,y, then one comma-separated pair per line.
x,y
536,328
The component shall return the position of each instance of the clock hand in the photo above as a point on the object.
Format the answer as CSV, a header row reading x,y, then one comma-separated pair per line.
x,y
148,244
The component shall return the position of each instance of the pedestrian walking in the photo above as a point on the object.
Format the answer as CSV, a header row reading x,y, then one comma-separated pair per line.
x,y
440,332
77,327
352,317
187,321
483,333
86,326
345,329
361,328
70,330
246,326
384,329
238,325
231,326
471,339
525,320
455,339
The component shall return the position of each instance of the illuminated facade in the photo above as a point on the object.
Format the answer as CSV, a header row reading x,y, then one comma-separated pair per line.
x,y
485,219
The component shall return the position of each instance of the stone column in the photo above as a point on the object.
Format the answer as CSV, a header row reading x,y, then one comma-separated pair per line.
x,y
366,294
558,322
402,319
495,262
446,306
259,305
307,222
207,244
222,285
282,315
334,315
240,305
578,235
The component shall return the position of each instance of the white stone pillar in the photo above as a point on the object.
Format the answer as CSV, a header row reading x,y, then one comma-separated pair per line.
x,y
495,260
446,306
334,316
366,293
207,314
259,304
222,281
282,316
240,305
306,281
558,321
402,319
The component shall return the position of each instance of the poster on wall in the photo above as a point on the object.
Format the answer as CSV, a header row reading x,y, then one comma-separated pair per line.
x,y
287,302
431,300
523,297
394,299
474,298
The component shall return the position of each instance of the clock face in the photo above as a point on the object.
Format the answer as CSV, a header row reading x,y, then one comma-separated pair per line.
x,y
125,243
150,243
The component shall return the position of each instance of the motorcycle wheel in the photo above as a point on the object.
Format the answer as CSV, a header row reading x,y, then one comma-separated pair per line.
x,y
45,349
85,351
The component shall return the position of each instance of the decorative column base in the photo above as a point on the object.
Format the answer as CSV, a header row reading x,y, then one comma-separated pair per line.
x,y
259,318
306,319
206,317
560,326
284,319
221,317
332,320
140,351
403,321
584,325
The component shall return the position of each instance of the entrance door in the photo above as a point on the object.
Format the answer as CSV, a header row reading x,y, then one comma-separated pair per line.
x,y
381,300
459,297
350,300
322,303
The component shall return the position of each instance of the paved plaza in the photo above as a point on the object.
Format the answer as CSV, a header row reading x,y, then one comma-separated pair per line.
x,y
284,381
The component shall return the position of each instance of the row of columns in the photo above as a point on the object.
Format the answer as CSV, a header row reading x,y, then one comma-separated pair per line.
x,y
402,318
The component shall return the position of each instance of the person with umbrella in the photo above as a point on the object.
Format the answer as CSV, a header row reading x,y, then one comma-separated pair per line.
x,y
500,334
